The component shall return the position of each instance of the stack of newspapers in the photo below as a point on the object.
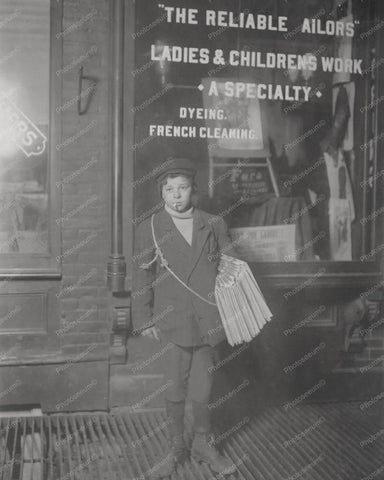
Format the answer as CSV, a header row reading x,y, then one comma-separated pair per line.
x,y
241,304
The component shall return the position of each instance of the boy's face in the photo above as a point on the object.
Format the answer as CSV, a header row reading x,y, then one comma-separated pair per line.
x,y
177,193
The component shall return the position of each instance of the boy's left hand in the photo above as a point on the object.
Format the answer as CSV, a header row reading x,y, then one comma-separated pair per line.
x,y
151,332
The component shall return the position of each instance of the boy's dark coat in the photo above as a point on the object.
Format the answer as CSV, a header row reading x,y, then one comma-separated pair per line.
x,y
159,298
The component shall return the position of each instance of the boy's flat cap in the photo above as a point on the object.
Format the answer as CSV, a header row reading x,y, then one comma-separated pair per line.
x,y
183,166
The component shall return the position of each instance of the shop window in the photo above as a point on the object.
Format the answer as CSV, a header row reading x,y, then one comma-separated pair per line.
x,y
281,131
28,195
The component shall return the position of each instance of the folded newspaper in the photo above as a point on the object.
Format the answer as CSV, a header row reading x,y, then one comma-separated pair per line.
x,y
241,304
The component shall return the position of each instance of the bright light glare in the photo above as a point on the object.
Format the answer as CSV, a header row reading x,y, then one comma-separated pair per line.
x,y
8,130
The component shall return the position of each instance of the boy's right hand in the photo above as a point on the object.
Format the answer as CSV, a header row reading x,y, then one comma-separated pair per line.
x,y
151,332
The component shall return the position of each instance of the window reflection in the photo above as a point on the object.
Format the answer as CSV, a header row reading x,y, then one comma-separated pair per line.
x,y
24,114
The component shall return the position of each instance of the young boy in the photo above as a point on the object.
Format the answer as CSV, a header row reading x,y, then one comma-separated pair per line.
x,y
181,312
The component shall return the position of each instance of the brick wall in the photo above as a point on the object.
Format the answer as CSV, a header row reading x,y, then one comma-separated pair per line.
x,y
85,171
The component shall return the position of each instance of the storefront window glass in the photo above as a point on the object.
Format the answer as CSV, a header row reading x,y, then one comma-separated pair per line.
x,y
274,102
24,118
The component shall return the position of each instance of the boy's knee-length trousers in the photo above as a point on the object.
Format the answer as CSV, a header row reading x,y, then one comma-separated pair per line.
x,y
188,370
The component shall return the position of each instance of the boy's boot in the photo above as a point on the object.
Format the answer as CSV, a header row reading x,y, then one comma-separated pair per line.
x,y
203,446
177,452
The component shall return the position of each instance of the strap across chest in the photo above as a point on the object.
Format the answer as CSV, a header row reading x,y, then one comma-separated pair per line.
x,y
164,263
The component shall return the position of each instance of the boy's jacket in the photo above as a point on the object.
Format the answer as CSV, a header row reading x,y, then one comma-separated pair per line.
x,y
159,298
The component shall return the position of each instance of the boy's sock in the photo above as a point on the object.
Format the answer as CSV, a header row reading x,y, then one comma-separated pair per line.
x,y
177,452
201,417
175,414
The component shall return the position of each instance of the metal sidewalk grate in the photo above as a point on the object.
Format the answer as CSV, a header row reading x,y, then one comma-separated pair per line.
x,y
308,442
